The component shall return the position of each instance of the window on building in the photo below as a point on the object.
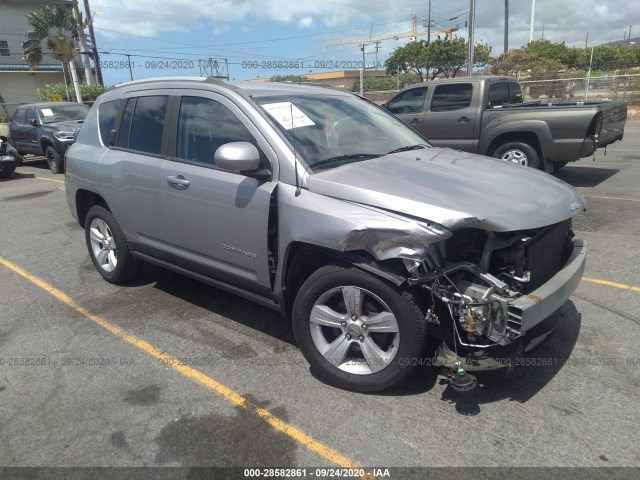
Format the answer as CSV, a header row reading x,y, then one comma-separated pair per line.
x,y
4,48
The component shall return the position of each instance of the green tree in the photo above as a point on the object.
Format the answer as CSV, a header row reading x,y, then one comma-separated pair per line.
x,y
411,58
523,65
549,50
443,57
53,28
89,92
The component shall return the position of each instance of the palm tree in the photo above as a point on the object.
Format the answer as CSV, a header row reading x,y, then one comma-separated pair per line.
x,y
54,28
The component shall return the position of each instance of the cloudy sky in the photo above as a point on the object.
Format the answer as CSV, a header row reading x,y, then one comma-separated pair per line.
x,y
168,37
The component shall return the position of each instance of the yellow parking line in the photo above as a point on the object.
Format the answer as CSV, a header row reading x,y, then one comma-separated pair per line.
x,y
611,284
50,179
613,198
195,375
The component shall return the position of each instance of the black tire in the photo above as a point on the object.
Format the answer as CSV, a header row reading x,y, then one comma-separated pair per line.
x,y
7,169
125,266
53,160
401,304
517,149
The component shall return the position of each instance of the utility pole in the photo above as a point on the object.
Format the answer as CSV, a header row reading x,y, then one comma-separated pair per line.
x,y
543,31
362,72
472,19
629,37
429,25
533,19
92,36
83,43
129,63
586,40
428,32
506,26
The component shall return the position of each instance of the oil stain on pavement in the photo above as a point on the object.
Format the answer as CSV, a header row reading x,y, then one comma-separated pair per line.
x,y
225,441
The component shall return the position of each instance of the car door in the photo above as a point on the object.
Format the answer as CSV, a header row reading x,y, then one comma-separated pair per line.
x,y
216,221
452,116
129,173
31,127
408,106
21,131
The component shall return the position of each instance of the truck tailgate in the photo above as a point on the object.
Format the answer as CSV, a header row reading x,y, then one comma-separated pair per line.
x,y
614,117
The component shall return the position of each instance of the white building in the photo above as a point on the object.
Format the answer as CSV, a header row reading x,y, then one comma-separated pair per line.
x,y
18,83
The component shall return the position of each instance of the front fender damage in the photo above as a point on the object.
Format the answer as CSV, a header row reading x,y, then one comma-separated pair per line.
x,y
348,226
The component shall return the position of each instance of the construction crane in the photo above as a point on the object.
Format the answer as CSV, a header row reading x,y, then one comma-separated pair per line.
x,y
391,36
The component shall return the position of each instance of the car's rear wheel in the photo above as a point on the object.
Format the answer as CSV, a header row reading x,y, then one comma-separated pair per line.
x,y
108,247
519,153
53,160
356,331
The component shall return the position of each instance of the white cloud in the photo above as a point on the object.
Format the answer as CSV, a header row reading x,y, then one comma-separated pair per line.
x,y
305,22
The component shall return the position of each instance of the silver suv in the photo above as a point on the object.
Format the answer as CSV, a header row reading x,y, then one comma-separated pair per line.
x,y
324,206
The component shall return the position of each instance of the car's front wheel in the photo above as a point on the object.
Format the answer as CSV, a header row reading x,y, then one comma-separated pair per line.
x,y
356,331
108,247
53,160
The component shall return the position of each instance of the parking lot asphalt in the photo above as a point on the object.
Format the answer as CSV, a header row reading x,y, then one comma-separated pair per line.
x,y
90,373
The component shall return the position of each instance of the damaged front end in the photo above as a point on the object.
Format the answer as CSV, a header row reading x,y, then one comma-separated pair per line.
x,y
492,295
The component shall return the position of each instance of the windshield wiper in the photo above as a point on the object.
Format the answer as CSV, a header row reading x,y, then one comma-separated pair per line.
x,y
406,149
340,159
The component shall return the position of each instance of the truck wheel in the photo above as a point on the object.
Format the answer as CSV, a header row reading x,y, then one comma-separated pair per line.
x,y
108,247
53,159
356,331
518,152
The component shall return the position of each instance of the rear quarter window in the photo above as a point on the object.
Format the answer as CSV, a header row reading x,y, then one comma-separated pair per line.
x,y
107,113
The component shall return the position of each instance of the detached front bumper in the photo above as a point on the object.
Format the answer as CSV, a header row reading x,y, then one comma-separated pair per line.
x,y
527,311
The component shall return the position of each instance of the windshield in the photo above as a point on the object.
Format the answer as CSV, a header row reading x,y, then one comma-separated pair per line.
x,y
332,130
60,113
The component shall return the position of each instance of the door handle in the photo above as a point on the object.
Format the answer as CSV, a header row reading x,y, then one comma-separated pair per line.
x,y
464,119
179,181
415,121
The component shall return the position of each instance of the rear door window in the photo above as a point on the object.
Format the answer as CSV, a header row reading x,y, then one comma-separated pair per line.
x,y
454,96
148,123
125,124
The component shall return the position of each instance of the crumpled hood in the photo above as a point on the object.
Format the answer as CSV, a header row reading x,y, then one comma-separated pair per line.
x,y
454,189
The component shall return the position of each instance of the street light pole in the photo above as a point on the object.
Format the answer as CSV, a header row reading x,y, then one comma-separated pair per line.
x,y
506,26
96,59
533,19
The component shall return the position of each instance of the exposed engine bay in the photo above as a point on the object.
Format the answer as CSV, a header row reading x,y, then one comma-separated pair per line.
x,y
473,279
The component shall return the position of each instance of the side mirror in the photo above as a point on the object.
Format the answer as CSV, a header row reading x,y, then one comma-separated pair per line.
x,y
237,157
33,122
112,137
